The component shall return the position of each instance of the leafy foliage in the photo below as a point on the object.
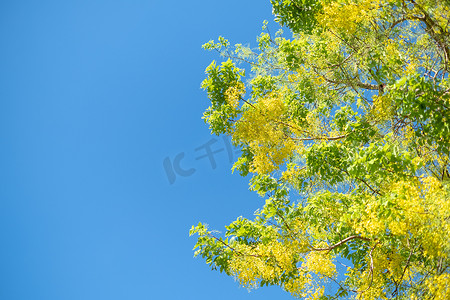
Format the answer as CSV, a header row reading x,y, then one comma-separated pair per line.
x,y
345,128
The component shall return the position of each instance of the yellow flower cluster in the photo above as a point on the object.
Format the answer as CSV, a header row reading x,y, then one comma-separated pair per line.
x,y
419,208
407,136
346,17
263,262
423,209
369,224
234,93
320,263
302,287
382,107
314,124
259,122
439,286
394,54
316,294
437,201
386,263
411,68
370,284
267,158
262,128
297,286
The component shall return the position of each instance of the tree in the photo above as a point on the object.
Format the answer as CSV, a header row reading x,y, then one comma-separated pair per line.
x,y
345,131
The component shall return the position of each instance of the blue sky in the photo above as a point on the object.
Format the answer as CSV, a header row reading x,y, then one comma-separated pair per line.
x,y
95,96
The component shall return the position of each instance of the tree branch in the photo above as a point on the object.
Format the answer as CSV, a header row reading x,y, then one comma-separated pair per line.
x,y
341,242
371,269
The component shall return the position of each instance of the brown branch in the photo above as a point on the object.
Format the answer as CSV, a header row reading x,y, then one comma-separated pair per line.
x,y
350,83
240,97
297,128
430,25
371,269
395,23
363,181
333,138
341,242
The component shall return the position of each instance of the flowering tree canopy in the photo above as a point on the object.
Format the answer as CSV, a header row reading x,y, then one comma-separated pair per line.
x,y
345,131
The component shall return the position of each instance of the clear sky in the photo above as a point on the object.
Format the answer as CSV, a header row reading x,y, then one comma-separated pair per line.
x,y
98,100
